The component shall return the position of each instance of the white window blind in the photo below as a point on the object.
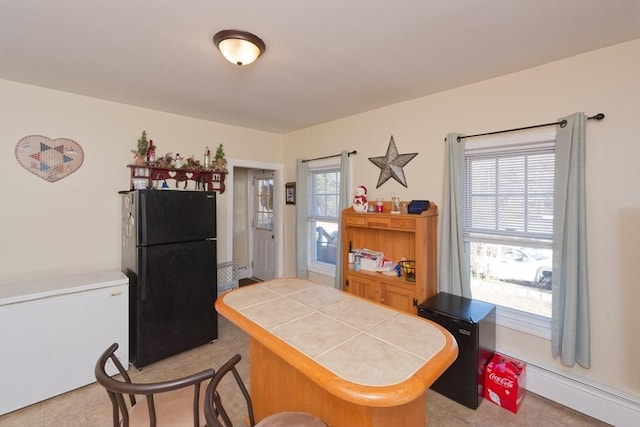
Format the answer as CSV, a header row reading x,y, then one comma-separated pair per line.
x,y
508,194
325,195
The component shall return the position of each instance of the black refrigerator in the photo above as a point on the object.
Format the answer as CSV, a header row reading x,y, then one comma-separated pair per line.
x,y
169,256
472,324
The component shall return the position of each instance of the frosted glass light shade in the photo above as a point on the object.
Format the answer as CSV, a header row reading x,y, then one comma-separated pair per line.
x,y
239,47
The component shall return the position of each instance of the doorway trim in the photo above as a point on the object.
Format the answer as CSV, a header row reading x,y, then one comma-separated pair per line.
x,y
278,203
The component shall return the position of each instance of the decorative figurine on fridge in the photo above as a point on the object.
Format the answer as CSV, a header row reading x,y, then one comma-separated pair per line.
x,y
140,153
179,161
360,203
220,163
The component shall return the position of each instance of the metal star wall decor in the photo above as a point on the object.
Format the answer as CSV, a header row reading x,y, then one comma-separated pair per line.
x,y
391,164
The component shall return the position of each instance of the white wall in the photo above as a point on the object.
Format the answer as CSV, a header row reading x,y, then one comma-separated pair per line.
x,y
241,217
605,81
73,225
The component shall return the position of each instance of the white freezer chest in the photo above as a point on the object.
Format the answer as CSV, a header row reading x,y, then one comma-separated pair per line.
x,y
52,332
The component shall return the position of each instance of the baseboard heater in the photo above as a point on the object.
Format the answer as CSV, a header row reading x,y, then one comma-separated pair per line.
x,y
609,406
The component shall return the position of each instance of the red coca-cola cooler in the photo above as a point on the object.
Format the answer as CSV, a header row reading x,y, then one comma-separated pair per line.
x,y
505,382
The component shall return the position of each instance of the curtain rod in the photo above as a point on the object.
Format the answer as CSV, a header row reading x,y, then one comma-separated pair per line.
x,y
329,157
562,123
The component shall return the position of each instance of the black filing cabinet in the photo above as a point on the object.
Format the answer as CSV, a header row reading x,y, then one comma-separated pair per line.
x,y
472,324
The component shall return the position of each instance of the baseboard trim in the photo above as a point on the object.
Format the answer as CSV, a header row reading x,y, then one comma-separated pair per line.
x,y
243,272
609,406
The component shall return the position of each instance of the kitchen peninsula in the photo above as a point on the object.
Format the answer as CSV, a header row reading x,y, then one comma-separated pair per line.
x,y
349,361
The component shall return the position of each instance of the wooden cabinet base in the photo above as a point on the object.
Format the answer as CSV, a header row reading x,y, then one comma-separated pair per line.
x,y
277,386
397,236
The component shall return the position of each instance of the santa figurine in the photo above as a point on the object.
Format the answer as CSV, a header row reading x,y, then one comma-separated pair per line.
x,y
360,203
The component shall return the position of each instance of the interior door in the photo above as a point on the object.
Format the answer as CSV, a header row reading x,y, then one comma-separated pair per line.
x,y
263,261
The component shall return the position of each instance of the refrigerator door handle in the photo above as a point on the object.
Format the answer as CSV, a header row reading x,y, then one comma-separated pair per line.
x,y
142,279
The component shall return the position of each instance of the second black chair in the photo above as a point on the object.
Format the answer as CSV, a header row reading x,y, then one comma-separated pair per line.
x,y
215,412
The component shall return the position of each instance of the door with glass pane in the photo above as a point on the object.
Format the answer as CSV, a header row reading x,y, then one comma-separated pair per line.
x,y
263,236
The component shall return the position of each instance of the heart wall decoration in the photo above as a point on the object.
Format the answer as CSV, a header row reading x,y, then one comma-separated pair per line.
x,y
50,159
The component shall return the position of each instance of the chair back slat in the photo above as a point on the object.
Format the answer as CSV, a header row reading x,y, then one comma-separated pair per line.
x,y
152,410
196,405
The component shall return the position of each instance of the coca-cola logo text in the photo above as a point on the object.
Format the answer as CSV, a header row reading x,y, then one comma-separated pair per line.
x,y
505,382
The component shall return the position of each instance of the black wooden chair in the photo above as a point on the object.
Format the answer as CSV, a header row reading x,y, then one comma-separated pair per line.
x,y
214,411
174,403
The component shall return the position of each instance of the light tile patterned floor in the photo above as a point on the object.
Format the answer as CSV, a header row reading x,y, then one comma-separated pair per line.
x,y
90,406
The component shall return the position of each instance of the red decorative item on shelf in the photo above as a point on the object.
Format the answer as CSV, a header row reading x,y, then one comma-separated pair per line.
x,y
379,205
151,153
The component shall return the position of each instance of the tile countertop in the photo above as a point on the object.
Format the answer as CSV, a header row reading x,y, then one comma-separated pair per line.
x,y
361,342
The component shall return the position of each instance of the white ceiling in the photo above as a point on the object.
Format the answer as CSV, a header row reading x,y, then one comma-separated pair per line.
x,y
325,59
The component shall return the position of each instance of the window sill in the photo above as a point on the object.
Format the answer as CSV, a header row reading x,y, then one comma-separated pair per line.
x,y
531,324
321,268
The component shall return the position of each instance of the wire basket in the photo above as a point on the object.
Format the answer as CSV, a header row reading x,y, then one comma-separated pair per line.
x,y
408,268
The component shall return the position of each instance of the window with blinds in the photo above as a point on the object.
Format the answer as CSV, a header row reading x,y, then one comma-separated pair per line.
x,y
324,215
507,226
508,195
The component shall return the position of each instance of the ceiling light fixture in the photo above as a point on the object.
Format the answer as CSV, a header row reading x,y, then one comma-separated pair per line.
x,y
239,47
